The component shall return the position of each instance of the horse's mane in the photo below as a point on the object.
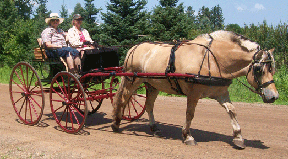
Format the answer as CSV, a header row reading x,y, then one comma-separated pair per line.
x,y
231,36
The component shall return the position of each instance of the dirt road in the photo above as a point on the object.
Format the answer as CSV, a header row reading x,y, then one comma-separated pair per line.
x,y
264,128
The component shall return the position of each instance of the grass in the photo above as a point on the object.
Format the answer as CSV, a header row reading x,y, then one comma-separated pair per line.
x,y
238,92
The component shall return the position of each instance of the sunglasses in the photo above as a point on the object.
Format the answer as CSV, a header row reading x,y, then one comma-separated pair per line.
x,y
54,20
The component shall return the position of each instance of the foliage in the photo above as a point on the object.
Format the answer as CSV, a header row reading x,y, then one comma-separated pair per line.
x,y
122,22
234,27
24,8
239,93
66,24
169,21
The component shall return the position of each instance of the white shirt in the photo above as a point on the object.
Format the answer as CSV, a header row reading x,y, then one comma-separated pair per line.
x,y
74,37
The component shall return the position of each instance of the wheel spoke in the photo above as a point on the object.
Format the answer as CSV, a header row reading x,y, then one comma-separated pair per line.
x,y
22,106
61,90
57,93
74,115
35,103
17,100
22,77
23,89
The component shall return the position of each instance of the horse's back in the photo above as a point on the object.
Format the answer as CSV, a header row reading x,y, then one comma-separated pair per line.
x,y
148,57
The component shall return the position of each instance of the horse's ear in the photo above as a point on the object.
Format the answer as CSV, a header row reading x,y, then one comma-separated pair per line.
x,y
272,50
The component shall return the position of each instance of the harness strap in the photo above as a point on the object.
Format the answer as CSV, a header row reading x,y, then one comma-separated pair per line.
x,y
171,64
207,51
171,68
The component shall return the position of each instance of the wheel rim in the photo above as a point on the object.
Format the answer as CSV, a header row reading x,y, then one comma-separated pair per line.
x,y
135,108
26,93
68,102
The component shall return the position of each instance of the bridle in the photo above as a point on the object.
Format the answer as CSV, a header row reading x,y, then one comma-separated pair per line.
x,y
257,66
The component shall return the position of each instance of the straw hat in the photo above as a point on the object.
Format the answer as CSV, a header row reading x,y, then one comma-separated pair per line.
x,y
54,16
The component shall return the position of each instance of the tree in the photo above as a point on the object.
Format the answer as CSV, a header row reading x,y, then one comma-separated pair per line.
x,y
64,11
90,18
90,12
203,19
210,20
168,3
234,27
124,20
66,24
7,19
41,13
121,21
216,18
169,21
190,13
24,8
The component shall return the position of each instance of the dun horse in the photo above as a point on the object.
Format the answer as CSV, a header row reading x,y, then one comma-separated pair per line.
x,y
215,59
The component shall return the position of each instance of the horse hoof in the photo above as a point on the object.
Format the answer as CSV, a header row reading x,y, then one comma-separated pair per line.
x,y
115,128
239,143
190,141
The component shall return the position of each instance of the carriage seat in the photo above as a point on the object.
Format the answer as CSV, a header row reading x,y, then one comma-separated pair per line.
x,y
40,56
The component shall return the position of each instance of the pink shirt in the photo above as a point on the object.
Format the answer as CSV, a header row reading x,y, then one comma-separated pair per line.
x,y
82,38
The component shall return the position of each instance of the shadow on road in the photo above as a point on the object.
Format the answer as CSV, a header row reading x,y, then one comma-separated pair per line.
x,y
174,132
169,131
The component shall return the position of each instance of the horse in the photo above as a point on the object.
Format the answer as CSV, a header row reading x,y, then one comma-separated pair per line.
x,y
215,59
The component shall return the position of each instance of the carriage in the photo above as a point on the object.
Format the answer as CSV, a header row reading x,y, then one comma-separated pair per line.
x,y
149,67
71,99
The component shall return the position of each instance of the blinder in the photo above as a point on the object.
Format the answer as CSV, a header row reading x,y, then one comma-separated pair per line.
x,y
257,66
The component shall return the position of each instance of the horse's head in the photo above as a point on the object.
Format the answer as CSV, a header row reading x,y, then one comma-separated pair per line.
x,y
260,75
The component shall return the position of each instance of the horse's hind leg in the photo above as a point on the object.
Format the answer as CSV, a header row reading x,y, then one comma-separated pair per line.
x,y
226,103
121,98
151,96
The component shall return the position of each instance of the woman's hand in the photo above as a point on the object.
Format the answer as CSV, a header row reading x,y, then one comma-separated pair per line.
x,y
87,43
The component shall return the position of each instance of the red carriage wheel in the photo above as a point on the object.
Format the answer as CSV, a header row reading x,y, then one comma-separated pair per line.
x,y
136,105
26,93
68,102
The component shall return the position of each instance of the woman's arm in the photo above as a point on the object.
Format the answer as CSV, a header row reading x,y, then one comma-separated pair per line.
x,y
49,45
87,36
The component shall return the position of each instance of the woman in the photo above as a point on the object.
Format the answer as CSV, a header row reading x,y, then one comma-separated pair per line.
x,y
78,37
54,39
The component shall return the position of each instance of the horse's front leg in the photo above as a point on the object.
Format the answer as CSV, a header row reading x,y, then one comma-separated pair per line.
x,y
226,103
191,105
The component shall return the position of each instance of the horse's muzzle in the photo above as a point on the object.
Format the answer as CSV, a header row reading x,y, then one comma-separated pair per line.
x,y
269,96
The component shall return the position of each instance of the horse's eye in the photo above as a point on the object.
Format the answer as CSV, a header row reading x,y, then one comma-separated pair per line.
x,y
269,67
258,70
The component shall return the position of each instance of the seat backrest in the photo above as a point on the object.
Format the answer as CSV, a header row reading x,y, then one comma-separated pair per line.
x,y
39,53
40,42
